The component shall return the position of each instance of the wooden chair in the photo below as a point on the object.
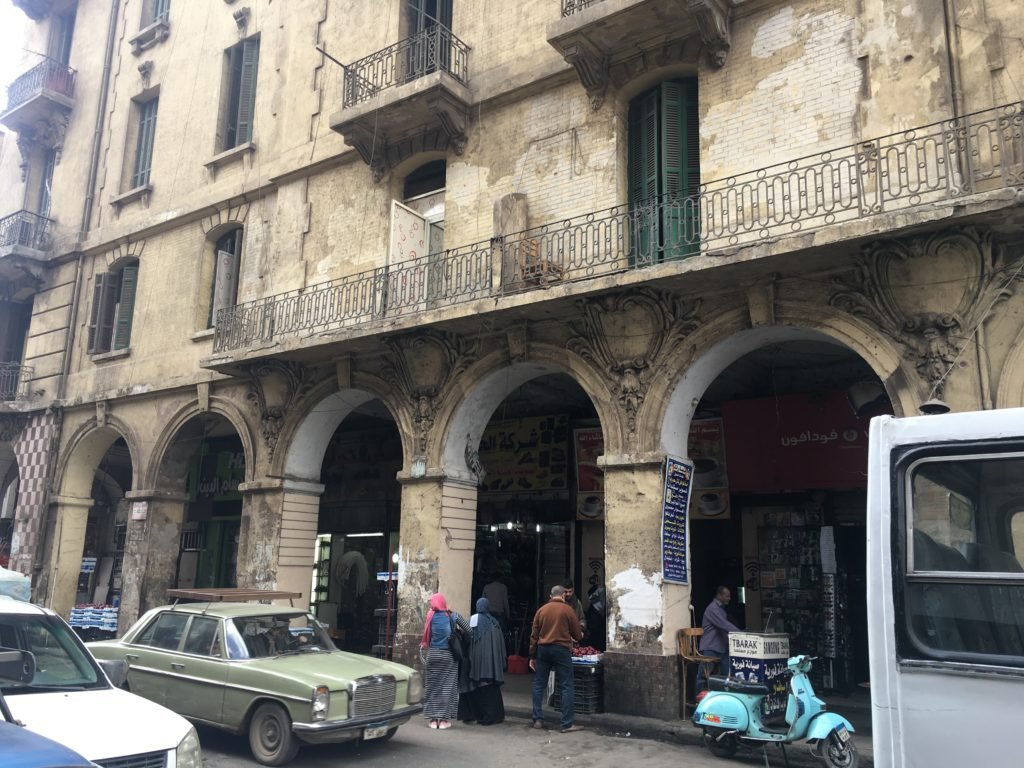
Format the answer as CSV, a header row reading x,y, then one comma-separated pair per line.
x,y
688,647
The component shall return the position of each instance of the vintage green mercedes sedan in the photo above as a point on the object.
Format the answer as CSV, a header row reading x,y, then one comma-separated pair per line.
x,y
267,670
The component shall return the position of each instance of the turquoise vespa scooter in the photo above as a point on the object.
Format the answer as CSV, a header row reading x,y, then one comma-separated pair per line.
x,y
730,716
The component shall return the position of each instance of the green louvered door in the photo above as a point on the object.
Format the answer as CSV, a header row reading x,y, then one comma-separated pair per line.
x,y
664,172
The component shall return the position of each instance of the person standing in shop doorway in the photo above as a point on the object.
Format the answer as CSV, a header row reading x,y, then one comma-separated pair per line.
x,y
573,601
555,629
715,640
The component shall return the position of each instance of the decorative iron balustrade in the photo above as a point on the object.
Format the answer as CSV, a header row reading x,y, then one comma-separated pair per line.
x,y
14,382
569,7
49,75
939,162
432,50
26,229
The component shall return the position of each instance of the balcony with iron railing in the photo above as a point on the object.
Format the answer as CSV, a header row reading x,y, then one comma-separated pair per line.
x,y
24,235
15,380
416,87
765,211
46,90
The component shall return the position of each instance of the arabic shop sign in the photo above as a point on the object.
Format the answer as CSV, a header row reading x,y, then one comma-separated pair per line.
x,y
795,442
217,470
526,455
674,506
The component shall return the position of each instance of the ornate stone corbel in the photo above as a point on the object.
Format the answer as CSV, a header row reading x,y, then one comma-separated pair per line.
x,y
102,407
241,17
26,145
518,343
714,22
454,121
591,67
371,149
272,405
145,72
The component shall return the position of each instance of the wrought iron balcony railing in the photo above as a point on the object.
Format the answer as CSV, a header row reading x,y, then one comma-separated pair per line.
x,y
432,50
569,7
943,161
26,229
14,382
48,75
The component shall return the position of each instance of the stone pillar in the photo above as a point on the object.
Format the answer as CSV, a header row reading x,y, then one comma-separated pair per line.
x,y
300,517
260,535
151,550
67,544
437,538
640,664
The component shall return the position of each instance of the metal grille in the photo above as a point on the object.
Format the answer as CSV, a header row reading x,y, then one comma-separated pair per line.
x,y
50,75
569,7
26,229
373,695
151,760
919,167
433,50
14,381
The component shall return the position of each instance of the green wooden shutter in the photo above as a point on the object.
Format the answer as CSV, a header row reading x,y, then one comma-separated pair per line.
x,y
679,167
104,300
126,306
643,175
144,147
94,317
247,91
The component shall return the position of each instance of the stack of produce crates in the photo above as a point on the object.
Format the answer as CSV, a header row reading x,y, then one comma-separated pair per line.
x,y
588,679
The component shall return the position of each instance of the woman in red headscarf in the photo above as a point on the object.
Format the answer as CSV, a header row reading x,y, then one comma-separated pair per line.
x,y
440,669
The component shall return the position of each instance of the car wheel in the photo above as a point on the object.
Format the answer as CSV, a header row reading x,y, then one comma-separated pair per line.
x,y
270,735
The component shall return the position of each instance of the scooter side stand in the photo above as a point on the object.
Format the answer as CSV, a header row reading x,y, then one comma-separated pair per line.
x,y
780,745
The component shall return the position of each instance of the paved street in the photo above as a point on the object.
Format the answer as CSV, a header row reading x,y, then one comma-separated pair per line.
x,y
512,745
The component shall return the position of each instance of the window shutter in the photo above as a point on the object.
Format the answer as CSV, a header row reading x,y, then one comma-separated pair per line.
x,y
679,172
223,283
643,175
126,306
161,9
94,317
144,147
247,91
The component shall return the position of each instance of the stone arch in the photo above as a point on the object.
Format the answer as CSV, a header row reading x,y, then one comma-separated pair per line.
x,y
155,476
492,379
1010,386
323,411
85,449
729,337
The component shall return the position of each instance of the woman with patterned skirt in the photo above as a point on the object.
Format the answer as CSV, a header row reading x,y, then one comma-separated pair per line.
x,y
440,669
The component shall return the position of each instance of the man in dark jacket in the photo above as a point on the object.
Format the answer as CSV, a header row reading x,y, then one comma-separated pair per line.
x,y
555,629
715,640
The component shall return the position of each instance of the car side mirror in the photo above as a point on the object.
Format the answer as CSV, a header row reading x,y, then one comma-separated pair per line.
x,y
18,667
116,670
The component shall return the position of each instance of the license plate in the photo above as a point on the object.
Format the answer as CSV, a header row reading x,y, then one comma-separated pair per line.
x,y
843,734
375,731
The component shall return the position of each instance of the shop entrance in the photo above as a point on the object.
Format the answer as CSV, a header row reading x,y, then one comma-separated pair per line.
x,y
540,507
779,444
354,574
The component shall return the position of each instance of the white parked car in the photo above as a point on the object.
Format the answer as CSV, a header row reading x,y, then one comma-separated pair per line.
x,y
72,701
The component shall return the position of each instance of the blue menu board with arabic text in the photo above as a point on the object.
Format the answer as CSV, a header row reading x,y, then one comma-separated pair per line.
x,y
676,501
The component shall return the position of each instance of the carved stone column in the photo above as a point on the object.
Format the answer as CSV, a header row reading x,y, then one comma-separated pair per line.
x,y
67,544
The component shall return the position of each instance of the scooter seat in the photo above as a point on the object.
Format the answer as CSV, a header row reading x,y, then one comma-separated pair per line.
x,y
722,683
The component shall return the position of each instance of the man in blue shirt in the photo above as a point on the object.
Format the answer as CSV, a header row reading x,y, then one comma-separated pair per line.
x,y
715,640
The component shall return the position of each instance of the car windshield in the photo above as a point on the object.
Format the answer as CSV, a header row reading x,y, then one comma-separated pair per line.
x,y
261,637
62,662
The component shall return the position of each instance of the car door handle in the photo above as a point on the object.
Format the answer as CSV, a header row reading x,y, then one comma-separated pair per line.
x,y
131,657
177,665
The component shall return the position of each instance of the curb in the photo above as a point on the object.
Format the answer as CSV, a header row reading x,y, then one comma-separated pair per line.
x,y
680,732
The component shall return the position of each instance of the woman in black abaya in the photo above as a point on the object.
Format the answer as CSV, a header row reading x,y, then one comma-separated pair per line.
x,y
487,660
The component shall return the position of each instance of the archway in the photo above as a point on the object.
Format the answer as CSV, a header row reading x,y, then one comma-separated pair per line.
x,y
528,436
776,424
349,449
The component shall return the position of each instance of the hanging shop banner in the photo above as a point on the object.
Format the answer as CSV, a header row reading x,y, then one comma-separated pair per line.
x,y
217,469
589,477
674,506
526,455
710,478
795,442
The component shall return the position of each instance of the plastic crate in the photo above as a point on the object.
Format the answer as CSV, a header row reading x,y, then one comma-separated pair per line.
x,y
588,693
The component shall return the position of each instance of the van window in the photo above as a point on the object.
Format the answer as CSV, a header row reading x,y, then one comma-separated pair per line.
x,y
964,585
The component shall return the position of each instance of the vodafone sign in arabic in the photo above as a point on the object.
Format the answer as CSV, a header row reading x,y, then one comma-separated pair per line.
x,y
795,442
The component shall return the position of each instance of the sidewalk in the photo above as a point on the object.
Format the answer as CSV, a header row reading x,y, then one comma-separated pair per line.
x,y
856,708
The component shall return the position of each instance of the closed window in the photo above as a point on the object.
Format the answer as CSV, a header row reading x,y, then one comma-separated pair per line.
x,y
113,304
203,639
155,10
664,172
144,143
242,65
165,632
225,274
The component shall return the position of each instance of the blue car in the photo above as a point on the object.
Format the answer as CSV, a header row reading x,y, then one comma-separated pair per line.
x,y
25,749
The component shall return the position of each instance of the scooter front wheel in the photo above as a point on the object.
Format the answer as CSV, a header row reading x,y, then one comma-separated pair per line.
x,y
720,743
835,753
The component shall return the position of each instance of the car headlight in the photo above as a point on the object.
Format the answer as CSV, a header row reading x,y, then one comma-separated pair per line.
x,y
188,754
415,693
321,702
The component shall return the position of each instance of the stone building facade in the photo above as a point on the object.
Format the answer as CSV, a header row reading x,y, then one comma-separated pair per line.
x,y
238,228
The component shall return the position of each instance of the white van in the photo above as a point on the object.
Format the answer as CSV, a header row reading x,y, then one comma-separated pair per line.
x,y
946,588
72,701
